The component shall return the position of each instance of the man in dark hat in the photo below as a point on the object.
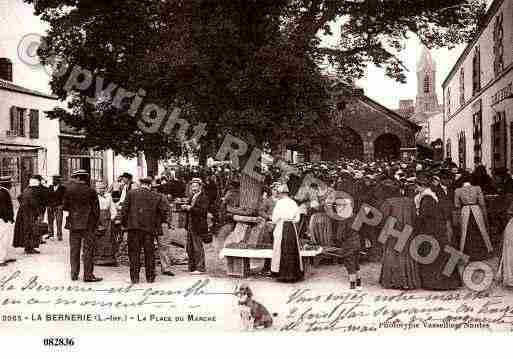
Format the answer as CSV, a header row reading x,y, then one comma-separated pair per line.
x,y
6,221
81,202
128,185
142,214
55,203
197,226
445,204
43,195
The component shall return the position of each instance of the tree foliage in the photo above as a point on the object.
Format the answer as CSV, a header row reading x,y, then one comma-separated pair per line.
x,y
252,68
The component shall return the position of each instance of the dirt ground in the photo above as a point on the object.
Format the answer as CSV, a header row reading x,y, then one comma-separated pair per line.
x,y
323,297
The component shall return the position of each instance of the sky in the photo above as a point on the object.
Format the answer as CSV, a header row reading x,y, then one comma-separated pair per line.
x,y
17,20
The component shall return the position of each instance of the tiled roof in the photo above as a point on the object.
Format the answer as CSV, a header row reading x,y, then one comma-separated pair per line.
x,y
9,86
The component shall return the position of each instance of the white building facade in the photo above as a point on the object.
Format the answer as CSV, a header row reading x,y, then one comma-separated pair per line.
x,y
478,105
29,141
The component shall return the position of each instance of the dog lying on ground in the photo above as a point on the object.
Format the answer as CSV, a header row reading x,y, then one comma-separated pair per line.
x,y
253,314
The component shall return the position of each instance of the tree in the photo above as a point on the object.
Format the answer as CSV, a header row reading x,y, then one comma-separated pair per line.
x,y
249,68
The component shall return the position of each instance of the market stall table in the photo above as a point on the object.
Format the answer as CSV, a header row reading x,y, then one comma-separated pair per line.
x,y
238,259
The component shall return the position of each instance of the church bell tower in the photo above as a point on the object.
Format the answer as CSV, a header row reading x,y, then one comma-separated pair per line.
x,y
427,100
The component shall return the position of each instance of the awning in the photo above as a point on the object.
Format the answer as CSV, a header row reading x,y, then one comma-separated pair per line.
x,y
17,148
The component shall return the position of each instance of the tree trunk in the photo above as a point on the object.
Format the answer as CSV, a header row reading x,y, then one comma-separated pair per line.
x,y
203,156
250,194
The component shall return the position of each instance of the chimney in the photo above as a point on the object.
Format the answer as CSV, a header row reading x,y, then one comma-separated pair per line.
x,y
5,69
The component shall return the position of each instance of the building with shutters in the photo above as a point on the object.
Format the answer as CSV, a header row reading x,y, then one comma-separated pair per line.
x,y
29,141
478,99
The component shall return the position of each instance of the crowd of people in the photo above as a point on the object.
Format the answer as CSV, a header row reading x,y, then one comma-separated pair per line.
x,y
309,204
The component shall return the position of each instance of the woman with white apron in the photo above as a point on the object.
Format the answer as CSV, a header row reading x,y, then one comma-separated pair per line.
x,y
505,274
6,222
474,239
286,263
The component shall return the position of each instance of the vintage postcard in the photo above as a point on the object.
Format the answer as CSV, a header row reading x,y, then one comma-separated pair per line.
x,y
287,166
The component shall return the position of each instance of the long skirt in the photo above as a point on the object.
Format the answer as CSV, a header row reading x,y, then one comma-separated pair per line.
x,y
290,262
26,234
320,229
506,265
399,270
475,246
6,248
431,275
105,248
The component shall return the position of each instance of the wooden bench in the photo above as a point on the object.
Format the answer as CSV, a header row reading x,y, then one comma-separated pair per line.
x,y
238,260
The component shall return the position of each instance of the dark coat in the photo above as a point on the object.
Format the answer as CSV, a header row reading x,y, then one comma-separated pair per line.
x,y
211,190
56,198
44,193
26,229
6,208
346,239
174,187
430,221
81,201
144,210
197,215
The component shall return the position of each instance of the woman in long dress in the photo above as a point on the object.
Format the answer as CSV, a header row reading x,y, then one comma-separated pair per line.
x,y
286,263
474,237
430,221
6,222
26,230
505,272
399,270
320,226
105,249
230,200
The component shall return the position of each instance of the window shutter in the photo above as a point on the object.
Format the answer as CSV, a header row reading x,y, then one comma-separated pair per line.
x,y
24,119
34,124
14,118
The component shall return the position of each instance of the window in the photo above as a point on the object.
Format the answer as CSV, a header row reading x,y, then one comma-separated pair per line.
x,y
511,144
498,45
476,72
462,86
448,101
13,126
448,149
9,166
462,150
21,122
17,124
427,84
96,169
478,136
34,124
426,107
74,157
499,140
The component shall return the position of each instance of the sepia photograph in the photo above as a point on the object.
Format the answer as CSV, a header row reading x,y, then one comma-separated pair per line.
x,y
279,167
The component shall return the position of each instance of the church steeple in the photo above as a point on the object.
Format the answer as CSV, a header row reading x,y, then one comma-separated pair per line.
x,y
427,100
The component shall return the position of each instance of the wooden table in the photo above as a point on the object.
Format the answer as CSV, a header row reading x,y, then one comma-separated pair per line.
x,y
238,260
